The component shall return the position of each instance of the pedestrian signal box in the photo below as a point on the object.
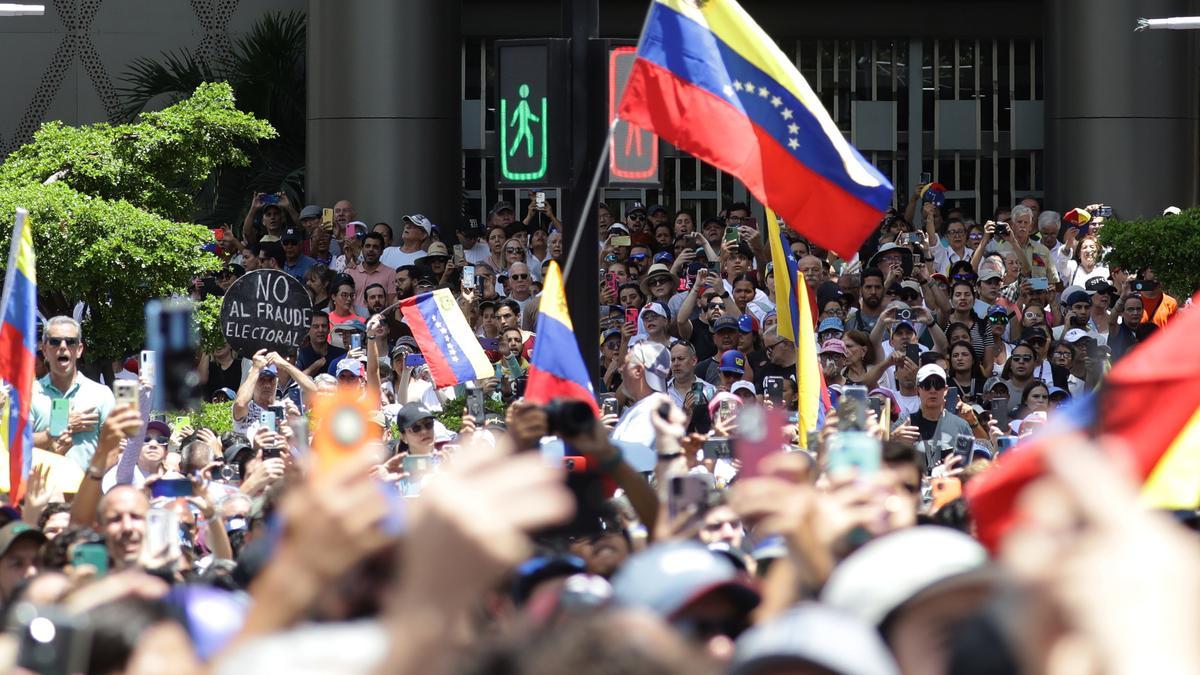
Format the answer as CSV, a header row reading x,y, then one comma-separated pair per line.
x,y
533,112
632,151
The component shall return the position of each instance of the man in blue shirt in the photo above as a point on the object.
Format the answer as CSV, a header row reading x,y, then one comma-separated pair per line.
x,y
295,262
91,402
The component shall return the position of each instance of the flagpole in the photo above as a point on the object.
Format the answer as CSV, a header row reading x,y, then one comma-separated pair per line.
x,y
587,202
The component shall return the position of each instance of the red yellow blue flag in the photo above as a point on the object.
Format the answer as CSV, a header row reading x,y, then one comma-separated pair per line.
x,y
557,369
18,347
710,81
447,341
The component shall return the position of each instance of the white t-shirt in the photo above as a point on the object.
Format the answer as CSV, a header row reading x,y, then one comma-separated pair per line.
x,y
394,257
635,425
477,253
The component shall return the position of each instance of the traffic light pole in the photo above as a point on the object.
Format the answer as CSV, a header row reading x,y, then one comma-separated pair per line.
x,y
581,22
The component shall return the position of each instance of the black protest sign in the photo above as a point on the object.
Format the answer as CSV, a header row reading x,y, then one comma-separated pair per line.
x,y
266,309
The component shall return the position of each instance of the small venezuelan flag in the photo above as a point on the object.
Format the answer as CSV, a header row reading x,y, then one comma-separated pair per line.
x,y
445,338
18,347
710,81
557,369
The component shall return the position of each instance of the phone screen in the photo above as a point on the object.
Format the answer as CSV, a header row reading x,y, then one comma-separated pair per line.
x,y
608,405
171,487
468,276
475,404
126,392
855,449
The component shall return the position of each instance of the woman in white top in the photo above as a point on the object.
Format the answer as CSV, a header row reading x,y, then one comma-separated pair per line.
x,y
1085,264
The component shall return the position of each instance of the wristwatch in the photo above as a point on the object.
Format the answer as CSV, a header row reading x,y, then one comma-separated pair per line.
x,y
95,472
667,457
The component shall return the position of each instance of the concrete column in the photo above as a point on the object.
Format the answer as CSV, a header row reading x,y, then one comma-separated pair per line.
x,y
1121,108
384,107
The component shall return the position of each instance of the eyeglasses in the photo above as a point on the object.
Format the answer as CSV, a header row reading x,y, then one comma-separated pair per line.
x,y
1022,358
421,426
933,384
1063,355
514,250
518,277
55,342
769,347
635,216
955,233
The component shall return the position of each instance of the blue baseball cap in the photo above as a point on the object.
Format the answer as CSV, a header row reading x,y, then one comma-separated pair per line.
x,y
665,257
733,361
831,323
269,369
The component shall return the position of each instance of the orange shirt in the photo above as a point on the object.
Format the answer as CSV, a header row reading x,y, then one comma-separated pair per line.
x,y
1159,312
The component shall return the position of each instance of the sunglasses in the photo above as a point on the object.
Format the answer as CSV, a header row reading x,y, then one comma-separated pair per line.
x,y
421,426
1022,358
909,297
933,384
659,280
514,250
161,440
55,342
518,277
716,305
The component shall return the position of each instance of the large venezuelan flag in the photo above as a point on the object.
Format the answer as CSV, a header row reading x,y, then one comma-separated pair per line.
x,y
446,340
1150,400
18,347
714,84
557,369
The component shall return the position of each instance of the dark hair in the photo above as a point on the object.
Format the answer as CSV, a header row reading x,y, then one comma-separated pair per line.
x,y
1029,390
956,326
117,627
272,250
370,286
974,369
900,452
738,206
962,282
511,304
54,553
375,235
411,269
872,272
744,276
51,509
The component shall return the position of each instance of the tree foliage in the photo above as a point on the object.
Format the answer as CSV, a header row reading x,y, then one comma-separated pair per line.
x,y
1169,244
106,230
266,68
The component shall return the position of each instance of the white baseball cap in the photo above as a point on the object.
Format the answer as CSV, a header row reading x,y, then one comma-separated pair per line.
x,y
929,370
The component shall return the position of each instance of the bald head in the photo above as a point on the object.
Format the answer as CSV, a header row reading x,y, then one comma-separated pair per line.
x,y
343,212
813,270
122,516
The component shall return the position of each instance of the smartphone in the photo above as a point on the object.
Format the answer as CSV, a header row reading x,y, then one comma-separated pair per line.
x,y
964,446
356,341
731,234
162,532
280,416
913,353
876,404
916,238
1104,212
621,240
684,493
926,178
1004,444
759,434
171,333
267,420
146,365
539,199
414,360
171,487
714,270
458,253
475,404
125,392
575,464
852,408
327,217
726,410
60,416
468,276
52,642
631,315
1039,283
417,466
854,449
226,473
95,555
610,280
952,400
609,405
773,388
751,222
267,199
717,448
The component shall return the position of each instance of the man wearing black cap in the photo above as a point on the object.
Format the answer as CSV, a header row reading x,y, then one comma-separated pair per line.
x,y
501,215
19,545
470,236
295,262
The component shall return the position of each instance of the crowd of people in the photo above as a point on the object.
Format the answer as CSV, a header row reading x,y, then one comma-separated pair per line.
x,y
475,532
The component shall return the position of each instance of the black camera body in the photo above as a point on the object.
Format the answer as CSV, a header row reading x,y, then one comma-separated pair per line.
x,y
904,314
567,418
1002,230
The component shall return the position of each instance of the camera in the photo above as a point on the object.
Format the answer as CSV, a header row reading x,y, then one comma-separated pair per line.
x,y
1144,285
904,314
226,473
1078,321
1002,230
567,418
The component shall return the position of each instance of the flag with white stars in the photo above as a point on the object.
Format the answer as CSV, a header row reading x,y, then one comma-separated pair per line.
x,y
445,339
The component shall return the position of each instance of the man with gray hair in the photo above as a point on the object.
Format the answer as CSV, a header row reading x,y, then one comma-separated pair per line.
x,y
88,401
1035,259
1049,223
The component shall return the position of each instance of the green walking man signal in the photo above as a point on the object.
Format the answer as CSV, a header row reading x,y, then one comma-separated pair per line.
x,y
522,123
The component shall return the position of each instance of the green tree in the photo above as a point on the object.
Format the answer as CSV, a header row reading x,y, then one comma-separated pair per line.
x,y
266,68
1169,244
107,202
